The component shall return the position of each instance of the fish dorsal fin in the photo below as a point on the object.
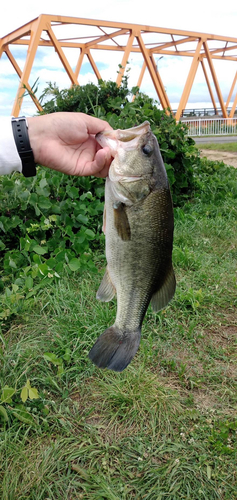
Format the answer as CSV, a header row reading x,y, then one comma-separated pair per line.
x,y
161,298
106,290
121,221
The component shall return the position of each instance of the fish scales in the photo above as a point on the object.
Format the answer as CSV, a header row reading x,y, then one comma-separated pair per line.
x,y
139,239
136,269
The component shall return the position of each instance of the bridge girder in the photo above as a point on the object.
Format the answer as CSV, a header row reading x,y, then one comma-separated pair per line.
x,y
110,36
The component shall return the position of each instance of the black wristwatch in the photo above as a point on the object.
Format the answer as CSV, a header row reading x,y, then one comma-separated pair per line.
x,y
21,136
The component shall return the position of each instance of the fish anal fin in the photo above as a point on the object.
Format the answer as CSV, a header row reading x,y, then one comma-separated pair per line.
x,y
106,290
161,298
121,221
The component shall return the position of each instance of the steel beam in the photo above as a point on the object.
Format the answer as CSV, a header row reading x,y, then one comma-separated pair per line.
x,y
218,90
36,30
231,90
189,81
79,62
120,48
209,85
1,48
166,45
141,74
19,72
107,37
138,27
152,72
168,105
23,31
125,59
92,62
233,107
225,49
61,55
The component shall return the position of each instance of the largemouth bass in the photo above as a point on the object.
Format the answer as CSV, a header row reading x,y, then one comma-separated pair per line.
x,y
138,225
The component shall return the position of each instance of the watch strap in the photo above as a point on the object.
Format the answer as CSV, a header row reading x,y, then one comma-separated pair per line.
x,y
21,136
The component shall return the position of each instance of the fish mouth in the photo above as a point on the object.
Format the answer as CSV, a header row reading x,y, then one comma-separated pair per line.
x,y
127,139
119,143
130,134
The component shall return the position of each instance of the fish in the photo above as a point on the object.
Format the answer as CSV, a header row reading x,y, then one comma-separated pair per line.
x,y
138,224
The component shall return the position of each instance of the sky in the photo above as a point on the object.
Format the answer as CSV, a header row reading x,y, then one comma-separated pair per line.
x,y
204,16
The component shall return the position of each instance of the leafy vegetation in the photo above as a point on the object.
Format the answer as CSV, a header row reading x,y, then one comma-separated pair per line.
x,y
49,225
165,427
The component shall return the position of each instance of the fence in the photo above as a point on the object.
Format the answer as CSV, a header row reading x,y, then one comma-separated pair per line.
x,y
211,126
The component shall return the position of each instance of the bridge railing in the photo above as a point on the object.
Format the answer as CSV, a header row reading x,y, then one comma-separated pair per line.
x,y
203,112
211,126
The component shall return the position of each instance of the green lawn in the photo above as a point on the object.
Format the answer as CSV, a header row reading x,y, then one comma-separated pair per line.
x,y
226,146
166,427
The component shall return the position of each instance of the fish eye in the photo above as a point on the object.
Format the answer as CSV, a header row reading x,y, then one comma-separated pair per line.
x,y
147,150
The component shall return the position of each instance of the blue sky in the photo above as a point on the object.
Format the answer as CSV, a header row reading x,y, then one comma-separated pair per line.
x,y
207,17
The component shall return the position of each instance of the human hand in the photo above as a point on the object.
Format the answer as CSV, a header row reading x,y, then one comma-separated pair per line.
x,y
66,142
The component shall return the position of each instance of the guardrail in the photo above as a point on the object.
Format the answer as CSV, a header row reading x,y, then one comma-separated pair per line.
x,y
211,126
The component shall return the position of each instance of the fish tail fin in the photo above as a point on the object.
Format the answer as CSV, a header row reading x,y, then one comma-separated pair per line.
x,y
115,349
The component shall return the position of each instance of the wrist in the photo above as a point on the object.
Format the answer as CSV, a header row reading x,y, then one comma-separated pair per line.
x,y
33,131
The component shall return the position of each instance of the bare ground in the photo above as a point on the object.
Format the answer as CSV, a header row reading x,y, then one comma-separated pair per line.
x,y
226,157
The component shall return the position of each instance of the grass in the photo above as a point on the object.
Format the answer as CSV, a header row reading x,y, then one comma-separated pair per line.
x,y
215,146
166,427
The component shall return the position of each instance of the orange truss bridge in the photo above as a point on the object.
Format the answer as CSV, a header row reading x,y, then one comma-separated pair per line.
x,y
90,35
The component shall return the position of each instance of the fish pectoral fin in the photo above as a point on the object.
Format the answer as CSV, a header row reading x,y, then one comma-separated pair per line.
x,y
106,290
161,298
121,221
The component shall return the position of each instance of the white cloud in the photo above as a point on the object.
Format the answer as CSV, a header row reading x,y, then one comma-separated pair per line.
x,y
6,68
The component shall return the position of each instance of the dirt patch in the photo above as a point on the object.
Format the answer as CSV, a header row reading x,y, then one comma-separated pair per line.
x,y
206,401
226,157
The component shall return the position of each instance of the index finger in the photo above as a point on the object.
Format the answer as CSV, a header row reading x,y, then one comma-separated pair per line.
x,y
95,125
